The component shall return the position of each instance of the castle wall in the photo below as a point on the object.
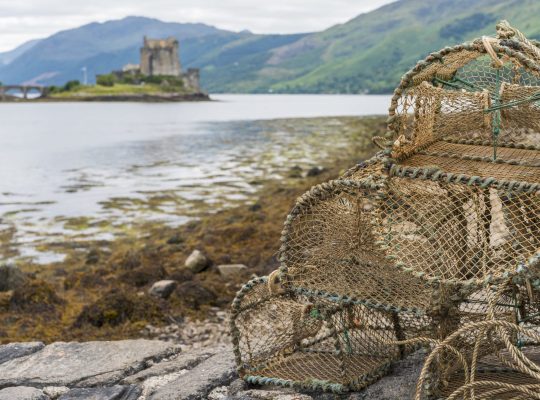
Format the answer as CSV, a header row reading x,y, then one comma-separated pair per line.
x,y
191,79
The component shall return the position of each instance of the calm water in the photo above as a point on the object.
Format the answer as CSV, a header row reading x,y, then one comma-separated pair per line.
x,y
65,160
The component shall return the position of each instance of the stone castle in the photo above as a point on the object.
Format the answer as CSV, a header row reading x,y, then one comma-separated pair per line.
x,y
161,57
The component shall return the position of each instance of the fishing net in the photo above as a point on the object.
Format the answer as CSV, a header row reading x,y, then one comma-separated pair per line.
x,y
415,244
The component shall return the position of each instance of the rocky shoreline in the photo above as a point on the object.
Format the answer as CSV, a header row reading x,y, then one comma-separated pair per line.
x,y
157,370
160,279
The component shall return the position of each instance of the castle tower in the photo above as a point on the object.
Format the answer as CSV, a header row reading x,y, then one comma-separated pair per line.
x,y
160,57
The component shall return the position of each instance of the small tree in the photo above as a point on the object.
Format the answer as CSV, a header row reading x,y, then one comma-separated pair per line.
x,y
105,80
70,85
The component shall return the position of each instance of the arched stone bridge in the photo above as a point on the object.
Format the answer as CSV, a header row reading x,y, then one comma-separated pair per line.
x,y
25,90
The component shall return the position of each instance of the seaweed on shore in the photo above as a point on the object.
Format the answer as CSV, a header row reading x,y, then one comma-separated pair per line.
x,y
101,290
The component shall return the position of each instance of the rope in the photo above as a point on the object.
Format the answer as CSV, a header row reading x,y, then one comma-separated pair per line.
x,y
506,31
379,141
274,284
481,326
486,41
507,386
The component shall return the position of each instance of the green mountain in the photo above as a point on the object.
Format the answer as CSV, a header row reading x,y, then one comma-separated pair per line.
x,y
366,54
370,52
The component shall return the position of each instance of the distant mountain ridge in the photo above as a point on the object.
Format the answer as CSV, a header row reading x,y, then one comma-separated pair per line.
x,y
369,53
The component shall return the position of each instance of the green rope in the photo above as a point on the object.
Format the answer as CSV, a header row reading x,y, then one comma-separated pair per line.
x,y
528,317
458,83
447,83
347,341
532,98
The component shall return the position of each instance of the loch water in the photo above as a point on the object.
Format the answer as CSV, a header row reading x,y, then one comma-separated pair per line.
x,y
104,161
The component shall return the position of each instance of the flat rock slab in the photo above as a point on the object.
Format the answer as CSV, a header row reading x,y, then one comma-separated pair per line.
x,y
15,350
22,393
83,364
180,362
116,392
196,383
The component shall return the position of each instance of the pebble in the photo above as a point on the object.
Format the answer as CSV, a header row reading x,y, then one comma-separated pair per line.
x,y
197,261
192,334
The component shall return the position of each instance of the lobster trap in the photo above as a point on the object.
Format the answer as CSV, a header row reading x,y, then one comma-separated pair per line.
x,y
416,241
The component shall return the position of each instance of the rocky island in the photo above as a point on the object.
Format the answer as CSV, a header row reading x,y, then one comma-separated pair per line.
x,y
157,78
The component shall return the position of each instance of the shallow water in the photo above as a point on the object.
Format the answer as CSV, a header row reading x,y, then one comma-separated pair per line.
x,y
89,170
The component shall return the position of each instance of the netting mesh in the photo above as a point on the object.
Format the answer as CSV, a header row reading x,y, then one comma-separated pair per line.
x,y
434,242
456,232
288,337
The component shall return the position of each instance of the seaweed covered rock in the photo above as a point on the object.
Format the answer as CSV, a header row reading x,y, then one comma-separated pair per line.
x,y
181,275
116,307
11,277
193,295
35,296
143,275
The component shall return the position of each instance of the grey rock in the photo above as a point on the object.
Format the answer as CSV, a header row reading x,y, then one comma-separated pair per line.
x,y
116,392
22,393
196,383
400,383
83,364
15,350
175,364
197,261
11,277
230,270
163,288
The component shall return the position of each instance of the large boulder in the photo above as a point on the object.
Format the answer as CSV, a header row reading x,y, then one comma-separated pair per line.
x,y
15,350
11,277
83,364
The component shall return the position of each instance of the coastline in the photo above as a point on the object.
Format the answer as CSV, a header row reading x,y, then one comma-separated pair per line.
x,y
135,97
101,290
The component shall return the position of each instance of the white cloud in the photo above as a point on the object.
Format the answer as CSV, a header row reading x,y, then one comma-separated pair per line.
x,y
23,20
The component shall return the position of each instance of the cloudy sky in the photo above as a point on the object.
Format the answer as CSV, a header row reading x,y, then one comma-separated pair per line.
x,y
22,20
